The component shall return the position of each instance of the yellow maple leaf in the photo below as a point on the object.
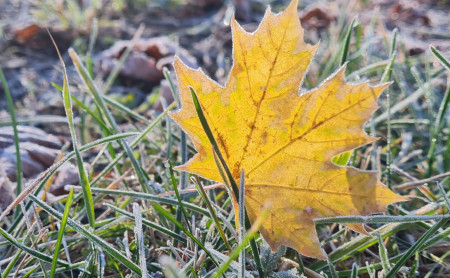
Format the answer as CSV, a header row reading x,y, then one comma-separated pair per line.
x,y
284,141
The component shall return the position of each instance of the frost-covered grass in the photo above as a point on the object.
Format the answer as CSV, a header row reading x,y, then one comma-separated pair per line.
x,y
134,216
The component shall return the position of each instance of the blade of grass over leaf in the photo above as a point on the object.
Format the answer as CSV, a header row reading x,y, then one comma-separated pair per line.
x,y
262,123
90,236
61,233
213,142
224,166
84,180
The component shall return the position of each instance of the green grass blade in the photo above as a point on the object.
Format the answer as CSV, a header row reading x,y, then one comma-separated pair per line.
x,y
241,273
213,142
119,106
150,197
383,253
15,131
250,235
440,57
30,251
447,200
180,203
140,173
359,243
332,269
440,119
139,237
404,258
149,223
90,112
347,38
169,217
212,212
40,181
343,158
61,233
354,273
12,263
183,141
414,266
84,181
388,70
447,150
394,42
386,76
133,144
380,219
92,38
301,266
89,235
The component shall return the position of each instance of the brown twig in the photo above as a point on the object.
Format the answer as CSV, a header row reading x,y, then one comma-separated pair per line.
x,y
413,184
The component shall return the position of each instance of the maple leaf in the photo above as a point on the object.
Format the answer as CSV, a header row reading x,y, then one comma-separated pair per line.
x,y
284,141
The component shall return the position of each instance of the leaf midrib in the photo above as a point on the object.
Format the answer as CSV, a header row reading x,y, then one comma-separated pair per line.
x,y
258,107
